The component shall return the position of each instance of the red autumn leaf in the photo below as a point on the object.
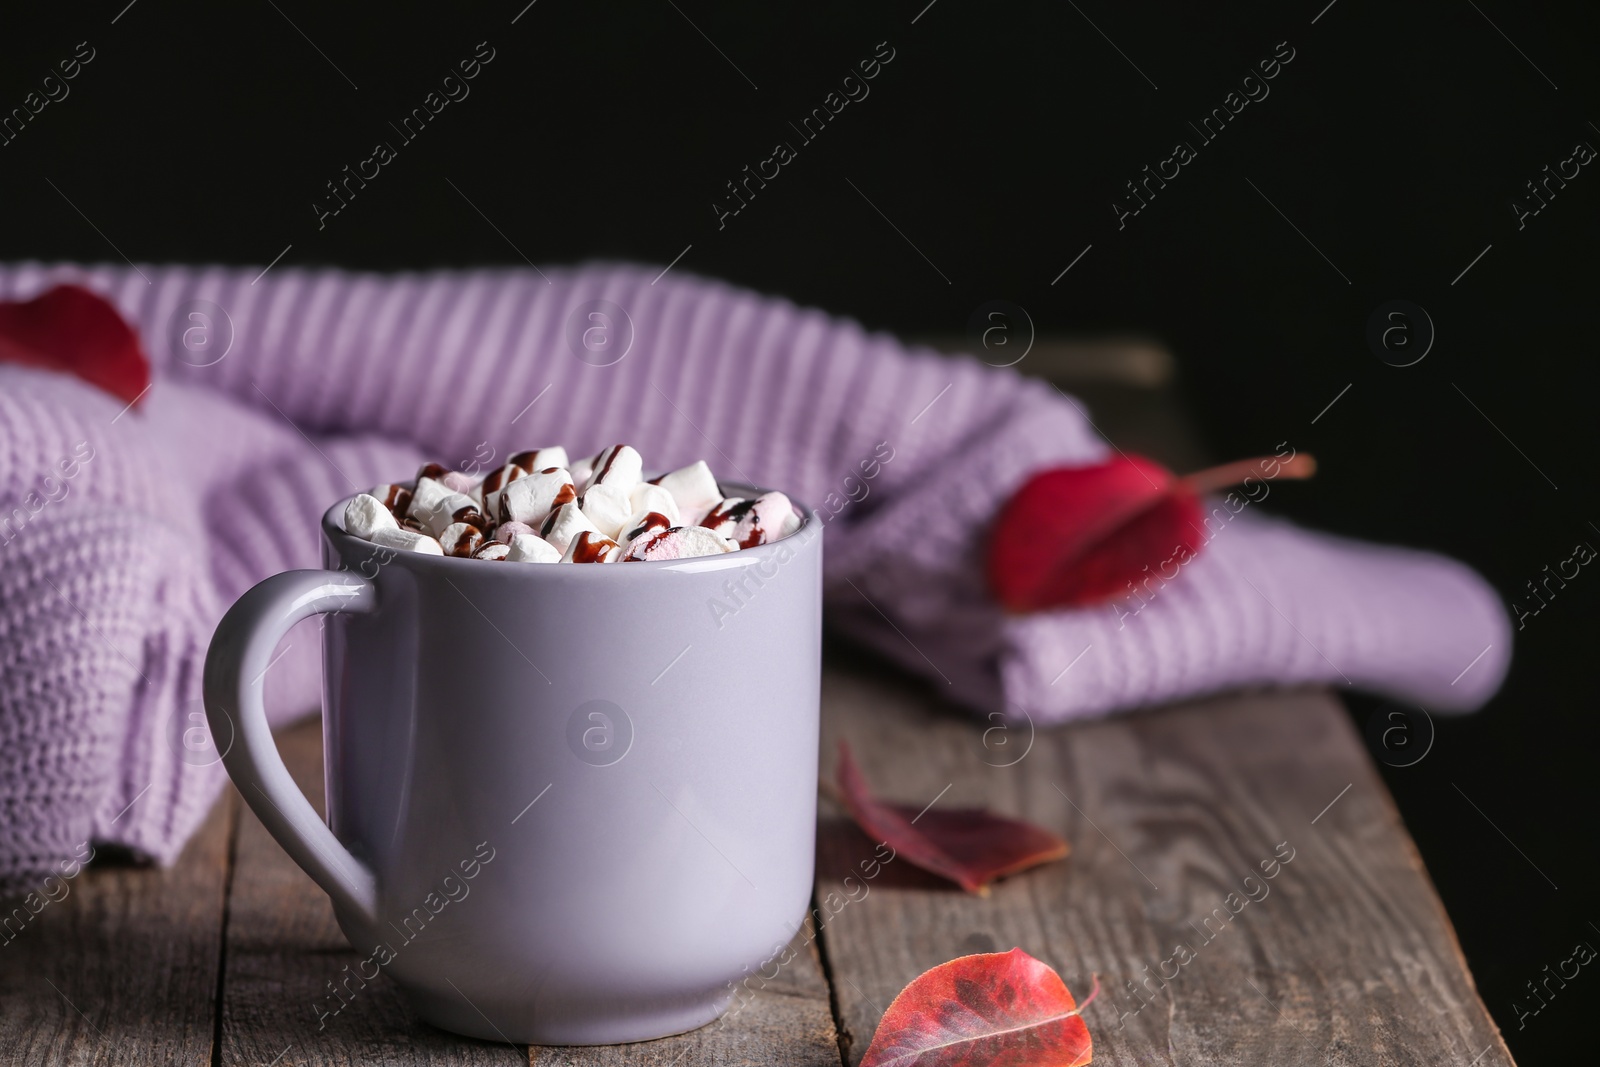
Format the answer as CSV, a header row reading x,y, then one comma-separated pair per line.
x,y
1077,536
996,1009
68,328
969,846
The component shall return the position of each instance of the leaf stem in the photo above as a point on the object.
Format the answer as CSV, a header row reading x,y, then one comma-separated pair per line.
x,y
1300,465
1094,991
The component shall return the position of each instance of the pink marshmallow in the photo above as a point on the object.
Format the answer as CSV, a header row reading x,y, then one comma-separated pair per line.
x,y
506,532
749,523
458,482
679,542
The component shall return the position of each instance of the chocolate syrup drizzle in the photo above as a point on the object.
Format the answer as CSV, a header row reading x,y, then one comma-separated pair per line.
x,y
736,514
467,546
470,515
600,475
652,520
504,476
590,548
644,551
397,500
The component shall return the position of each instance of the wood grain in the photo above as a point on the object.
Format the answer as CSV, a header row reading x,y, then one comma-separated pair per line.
x,y
1344,957
121,968
284,947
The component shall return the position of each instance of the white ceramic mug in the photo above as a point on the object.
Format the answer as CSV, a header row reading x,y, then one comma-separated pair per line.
x,y
566,804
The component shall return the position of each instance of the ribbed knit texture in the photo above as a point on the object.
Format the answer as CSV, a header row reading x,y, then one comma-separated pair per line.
x,y
336,381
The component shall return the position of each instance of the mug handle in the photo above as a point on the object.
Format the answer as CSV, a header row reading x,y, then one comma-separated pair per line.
x,y
240,653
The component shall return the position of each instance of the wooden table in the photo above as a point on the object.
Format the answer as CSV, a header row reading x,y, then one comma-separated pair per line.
x,y
1347,959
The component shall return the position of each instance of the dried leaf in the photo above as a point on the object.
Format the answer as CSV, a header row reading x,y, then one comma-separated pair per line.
x,y
69,328
996,1009
1077,536
969,846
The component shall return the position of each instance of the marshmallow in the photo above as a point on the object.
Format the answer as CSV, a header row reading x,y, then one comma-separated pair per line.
x,y
748,523
607,507
647,497
679,542
589,547
726,515
397,498
459,482
490,488
565,523
594,510
408,541
531,548
425,497
619,466
532,498
447,509
461,539
693,487
779,517
507,532
365,515
642,525
537,459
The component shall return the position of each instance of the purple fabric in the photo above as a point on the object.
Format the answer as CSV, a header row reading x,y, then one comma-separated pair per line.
x,y
337,381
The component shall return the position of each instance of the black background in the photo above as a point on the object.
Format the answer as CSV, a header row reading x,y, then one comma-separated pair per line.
x,y
996,141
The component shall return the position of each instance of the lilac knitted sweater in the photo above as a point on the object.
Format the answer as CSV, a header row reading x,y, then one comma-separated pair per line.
x,y
127,533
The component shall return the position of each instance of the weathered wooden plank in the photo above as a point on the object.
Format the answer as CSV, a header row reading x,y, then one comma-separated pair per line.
x,y
120,967
1344,957
284,949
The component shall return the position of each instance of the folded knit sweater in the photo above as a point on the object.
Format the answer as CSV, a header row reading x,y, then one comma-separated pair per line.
x,y
126,533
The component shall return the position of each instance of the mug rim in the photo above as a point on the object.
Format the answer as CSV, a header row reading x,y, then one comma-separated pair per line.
x,y
334,532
